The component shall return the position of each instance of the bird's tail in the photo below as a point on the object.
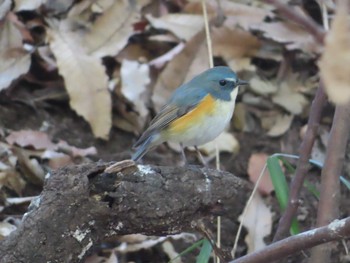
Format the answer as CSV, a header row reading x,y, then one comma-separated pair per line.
x,y
142,149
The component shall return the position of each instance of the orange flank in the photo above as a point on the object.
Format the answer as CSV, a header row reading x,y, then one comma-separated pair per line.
x,y
204,108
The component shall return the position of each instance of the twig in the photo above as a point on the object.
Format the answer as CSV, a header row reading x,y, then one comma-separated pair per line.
x,y
337,230
303,163
328,207
207,33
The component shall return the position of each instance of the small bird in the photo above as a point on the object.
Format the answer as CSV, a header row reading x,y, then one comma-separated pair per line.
x,y
196,113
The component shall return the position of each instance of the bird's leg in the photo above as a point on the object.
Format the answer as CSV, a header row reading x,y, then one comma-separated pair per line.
x,y
184,159
200,157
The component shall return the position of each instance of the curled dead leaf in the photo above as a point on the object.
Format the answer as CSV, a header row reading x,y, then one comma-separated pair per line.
x,y
256,164
135,78
111,31
184,26
85,79
191,61
336,57
14,60
235,46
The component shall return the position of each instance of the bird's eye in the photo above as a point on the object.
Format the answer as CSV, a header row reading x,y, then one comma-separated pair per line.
x,y
222,82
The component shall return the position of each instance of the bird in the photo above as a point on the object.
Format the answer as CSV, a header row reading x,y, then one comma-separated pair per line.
x,y
196,113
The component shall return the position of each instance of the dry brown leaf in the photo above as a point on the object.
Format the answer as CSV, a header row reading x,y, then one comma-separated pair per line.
x,y
59,162
135,78
160,61
236,14
5,7
335,61
292,35
21,5
74,151
256,164
14,60
191,61
258,221
235,46
184,26
281,125
262,87
111,31
12,180
225,142
289,98
28,138
85,80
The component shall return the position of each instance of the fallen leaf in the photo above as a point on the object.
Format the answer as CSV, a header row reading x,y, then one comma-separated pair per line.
x,y
28,138
30,167
191,61
111,31
59,162
22,5
235,46
289,98
184,26
293,36
14,60
225,142
85,79
12,180
135,78
256,164
236,14
160,61
258,221
5,7
74,151
336,57
262,87
281,125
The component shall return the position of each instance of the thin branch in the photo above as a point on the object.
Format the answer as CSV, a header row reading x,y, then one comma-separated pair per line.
x,y
337,230
328,207
303,163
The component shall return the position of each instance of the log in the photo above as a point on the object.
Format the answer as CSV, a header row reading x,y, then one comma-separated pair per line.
x,y
81,206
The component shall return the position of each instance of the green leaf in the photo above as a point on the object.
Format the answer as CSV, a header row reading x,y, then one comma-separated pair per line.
x,y
189,249
205,252
278,180
280,184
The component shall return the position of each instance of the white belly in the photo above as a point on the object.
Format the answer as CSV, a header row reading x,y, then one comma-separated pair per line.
x,y
212,125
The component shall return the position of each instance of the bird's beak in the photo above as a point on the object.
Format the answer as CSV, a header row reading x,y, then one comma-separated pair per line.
x,y
242,82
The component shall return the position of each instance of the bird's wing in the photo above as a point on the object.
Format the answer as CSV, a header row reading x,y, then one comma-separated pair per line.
x,y
168,114
183,100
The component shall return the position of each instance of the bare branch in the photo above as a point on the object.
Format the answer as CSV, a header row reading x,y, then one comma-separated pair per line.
x,y
328,207
337,230
303,163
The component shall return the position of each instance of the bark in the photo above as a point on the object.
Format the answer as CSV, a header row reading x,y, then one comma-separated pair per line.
x,y
81,206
